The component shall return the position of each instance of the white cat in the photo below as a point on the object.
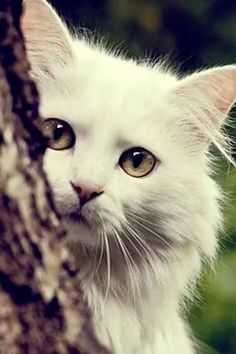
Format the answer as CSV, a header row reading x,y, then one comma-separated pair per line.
x,y
129,165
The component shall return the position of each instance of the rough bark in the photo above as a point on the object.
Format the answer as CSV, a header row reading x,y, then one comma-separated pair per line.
x,y
42,309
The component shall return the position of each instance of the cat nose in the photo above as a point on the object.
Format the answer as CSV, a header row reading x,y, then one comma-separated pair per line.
x,y
86,192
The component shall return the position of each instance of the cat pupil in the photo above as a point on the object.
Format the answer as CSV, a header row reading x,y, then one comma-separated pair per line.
x,y
58,132
137,159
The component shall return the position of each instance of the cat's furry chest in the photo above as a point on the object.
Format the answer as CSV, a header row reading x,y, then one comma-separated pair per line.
x,y
145,322
124,330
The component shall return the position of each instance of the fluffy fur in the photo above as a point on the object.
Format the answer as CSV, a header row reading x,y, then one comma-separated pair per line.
x,y
147,237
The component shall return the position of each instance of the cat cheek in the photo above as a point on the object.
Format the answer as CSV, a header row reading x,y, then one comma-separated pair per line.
x,y
110,208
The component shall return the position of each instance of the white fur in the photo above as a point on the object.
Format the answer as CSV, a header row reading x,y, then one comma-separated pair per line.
x,y
143,253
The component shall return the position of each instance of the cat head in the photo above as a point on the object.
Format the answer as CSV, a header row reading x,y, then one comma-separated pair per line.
x,y
128,143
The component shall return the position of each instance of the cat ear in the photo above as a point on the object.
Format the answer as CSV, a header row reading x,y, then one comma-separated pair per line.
x,y
206,98
47,38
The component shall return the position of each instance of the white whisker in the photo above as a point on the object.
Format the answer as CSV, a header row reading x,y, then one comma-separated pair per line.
x,y
149,253
134,219
108,267
133,274
101,238
154,224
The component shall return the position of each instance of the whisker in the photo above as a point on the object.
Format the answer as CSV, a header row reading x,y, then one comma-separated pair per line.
x,y
168,244
154,224
108,267
133,235
144,246
101,237
130,265
141,218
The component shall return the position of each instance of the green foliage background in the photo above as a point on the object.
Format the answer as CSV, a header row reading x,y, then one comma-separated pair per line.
x,y
192,34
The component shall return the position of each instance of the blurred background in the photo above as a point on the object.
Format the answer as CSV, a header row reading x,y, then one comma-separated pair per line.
x,y
191,34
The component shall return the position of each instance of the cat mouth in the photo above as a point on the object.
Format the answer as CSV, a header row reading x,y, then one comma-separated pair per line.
x,y
78,217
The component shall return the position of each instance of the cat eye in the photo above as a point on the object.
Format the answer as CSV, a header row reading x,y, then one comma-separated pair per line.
x,y
137,162
59,133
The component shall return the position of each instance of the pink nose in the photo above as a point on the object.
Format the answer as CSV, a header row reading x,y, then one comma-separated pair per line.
x,y
86,192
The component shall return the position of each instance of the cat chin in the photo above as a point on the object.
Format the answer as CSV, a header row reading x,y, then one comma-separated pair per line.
x,y
78,230
81,219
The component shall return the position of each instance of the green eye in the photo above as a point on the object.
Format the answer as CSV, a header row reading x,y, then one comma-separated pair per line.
x,y
137,162
59,133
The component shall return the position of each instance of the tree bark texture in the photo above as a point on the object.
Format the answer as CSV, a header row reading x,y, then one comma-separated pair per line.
x,y
42,307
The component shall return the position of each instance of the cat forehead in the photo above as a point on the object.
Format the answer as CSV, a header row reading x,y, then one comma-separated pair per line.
x,y
100,70
96,84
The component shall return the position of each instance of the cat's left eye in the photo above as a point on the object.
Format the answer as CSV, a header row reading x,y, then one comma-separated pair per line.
x,y
137,162
59,133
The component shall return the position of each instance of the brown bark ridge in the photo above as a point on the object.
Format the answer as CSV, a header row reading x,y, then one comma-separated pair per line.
x,y
42,308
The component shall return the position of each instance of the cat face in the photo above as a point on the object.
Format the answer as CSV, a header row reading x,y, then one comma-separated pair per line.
x,y
107,133
134,162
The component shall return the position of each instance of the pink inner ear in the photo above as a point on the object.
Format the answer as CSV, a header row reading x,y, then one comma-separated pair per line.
x,y
224,89
37,17
224,104
45,34
227,98
206,98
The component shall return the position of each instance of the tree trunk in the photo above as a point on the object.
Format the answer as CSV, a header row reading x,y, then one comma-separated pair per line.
x,y
42,308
